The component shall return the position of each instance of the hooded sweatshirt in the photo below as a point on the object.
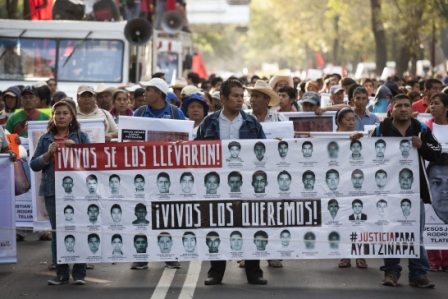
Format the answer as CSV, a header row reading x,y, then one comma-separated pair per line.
x,y
16,91
380,103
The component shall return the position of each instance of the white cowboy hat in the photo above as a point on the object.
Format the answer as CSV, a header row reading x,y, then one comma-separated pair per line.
x,y
264,87
274,80
103,88
179,83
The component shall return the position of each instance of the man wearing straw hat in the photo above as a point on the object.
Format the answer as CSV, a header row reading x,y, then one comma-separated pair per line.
x,y
279,81
261,97
177,86
104,96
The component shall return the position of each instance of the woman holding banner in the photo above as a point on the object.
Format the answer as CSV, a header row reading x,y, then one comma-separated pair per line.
x,y
63,131
345,120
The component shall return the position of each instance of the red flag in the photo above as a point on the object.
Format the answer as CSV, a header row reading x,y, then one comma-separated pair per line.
x,y
320,60
41,9
198,66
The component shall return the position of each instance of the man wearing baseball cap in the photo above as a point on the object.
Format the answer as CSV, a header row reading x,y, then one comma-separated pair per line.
x,y
311,103
156,91
16,123
337,95
88,109
156,106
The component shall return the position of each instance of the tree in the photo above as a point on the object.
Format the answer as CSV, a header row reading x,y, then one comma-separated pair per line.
x,y
379,34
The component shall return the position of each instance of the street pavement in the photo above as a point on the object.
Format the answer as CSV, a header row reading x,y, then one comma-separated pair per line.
x,y
297,279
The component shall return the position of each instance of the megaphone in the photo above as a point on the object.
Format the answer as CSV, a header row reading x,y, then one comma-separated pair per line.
x,y
172,22
138,31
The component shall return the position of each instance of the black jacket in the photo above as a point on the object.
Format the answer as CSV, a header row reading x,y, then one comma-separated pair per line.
x,y
429,151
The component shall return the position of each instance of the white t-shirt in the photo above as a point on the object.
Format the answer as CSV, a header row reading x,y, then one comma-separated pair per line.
x,y
440,132
3,141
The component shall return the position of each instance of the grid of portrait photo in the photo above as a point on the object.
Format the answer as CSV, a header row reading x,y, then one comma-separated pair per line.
x,y
269,199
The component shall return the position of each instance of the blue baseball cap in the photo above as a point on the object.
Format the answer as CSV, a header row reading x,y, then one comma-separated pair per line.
x,y
171,96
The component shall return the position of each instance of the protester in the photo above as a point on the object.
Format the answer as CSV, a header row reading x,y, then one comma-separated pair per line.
x,y
139,98
11,96
216,83
205,86
87,109
177,87
287,95
362,114
216,103
345,120
193,79
63,131
367,83
156,106
104,96
232,123
279,81
336,95
195,108
52,85
16,123
120,101
438,107
432,86
345,84
401,120
261,97
415,96
43,96
312,86
382,100
171,98
57,96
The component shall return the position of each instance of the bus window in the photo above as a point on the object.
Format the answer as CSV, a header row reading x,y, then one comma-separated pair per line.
x,y
27,58
90,60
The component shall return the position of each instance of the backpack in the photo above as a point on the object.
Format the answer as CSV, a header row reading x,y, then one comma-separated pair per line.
x,y
173,110
383,128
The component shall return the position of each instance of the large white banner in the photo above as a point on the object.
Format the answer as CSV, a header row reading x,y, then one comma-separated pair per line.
x,y
238,199
435,235
94,128
153,129
8,249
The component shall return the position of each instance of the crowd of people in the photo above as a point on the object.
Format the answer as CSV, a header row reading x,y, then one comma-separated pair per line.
x,y
234,109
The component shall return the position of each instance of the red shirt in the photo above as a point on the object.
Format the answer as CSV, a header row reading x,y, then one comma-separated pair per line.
x,y
420,106
60,140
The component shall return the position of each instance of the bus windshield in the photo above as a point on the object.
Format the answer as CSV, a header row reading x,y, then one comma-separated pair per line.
x,y
72,60
90,60
27,58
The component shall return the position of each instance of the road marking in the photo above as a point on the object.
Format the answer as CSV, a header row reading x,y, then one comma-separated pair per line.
x,y
91,279
164,284
191,281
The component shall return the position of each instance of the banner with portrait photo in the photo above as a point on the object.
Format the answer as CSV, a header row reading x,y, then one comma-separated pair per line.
x,y
238,199
94,128
8,248
154,129
435,235
310,122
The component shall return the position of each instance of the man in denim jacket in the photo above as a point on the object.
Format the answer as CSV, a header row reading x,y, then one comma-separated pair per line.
x,y
232,123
